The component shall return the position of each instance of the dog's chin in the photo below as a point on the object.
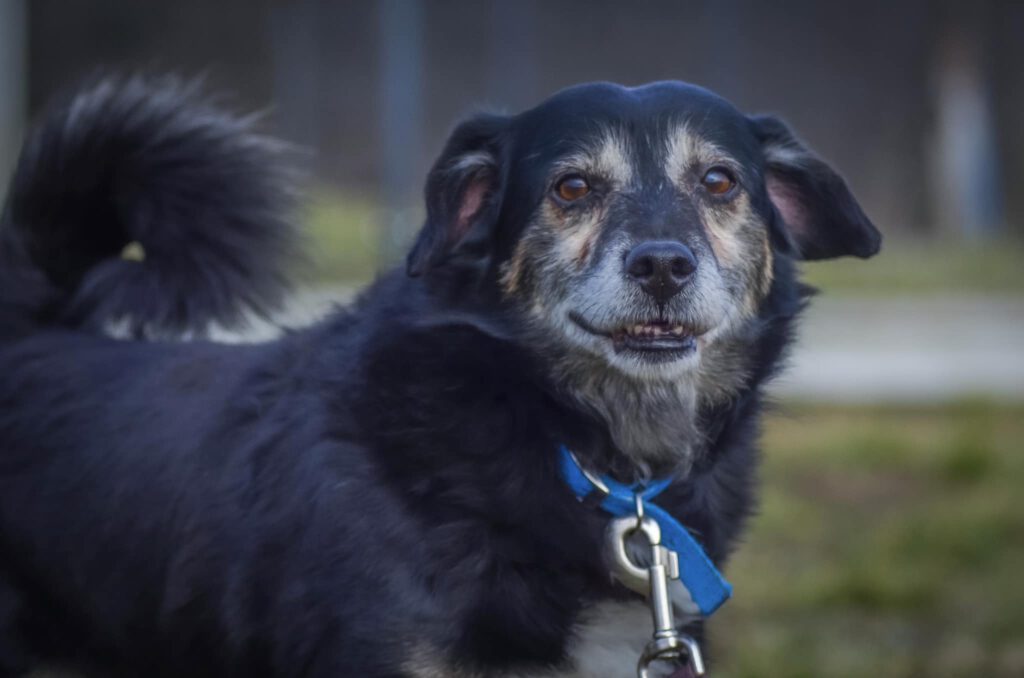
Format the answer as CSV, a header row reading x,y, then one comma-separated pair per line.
x,y
651,351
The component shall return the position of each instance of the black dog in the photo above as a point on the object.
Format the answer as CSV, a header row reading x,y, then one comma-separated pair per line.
x,y
612,271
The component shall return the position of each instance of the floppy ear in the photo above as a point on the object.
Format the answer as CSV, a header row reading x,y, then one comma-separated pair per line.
x,y
463,195
822,219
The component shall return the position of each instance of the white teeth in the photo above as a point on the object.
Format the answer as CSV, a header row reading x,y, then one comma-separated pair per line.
x,y
655,330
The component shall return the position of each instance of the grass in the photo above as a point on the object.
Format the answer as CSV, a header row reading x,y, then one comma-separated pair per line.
x,y
890,543
926,268
343,238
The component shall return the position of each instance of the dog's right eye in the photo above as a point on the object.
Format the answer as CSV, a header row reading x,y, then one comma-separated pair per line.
x,y
572,187
718,181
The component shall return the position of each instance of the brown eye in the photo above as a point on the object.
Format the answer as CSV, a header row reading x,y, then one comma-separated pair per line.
x,y
718,181
572,187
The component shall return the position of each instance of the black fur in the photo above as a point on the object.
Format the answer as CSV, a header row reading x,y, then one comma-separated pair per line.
x,y
347,501
149,162
831,223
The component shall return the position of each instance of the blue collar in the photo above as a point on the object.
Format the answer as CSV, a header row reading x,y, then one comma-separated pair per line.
x,y
705,584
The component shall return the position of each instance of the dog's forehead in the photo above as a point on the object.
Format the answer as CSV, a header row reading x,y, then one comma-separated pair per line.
x,y
585,114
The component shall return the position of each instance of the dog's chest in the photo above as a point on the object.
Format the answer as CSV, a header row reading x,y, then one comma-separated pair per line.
x,y
609,639
607,642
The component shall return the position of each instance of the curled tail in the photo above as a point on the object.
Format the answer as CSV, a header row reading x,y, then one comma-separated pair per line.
x,y
201,202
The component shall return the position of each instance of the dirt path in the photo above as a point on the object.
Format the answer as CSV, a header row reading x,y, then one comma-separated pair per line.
x,y
909,349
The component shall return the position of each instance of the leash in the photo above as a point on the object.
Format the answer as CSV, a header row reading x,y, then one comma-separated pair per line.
x,y
675,555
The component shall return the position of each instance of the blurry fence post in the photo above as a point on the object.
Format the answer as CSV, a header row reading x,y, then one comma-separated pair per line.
x,y
13,83
401,105
966,181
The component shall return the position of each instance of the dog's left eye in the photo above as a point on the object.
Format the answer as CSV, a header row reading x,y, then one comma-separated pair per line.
x,y
718,181
572,187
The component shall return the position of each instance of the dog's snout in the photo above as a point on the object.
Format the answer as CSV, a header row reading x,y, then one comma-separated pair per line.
x,y
662,268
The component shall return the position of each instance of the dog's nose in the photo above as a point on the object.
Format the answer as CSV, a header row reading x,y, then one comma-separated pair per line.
x,y
661,267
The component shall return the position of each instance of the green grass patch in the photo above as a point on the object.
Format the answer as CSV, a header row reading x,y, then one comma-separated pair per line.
x,y
343,237
890,542
925,268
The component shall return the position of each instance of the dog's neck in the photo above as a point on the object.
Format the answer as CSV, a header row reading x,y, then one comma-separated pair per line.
x,y
654,425
651,424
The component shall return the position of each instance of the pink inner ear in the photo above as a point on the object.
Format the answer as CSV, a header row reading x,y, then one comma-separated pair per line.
x,y
473,198
787,201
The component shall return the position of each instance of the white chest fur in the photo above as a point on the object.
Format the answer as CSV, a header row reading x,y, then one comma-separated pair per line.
x,y
607,641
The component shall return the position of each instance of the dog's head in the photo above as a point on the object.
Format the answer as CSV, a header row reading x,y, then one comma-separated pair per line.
x,y
634,228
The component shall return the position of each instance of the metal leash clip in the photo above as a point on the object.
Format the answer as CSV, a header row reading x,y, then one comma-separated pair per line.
x,y
668,645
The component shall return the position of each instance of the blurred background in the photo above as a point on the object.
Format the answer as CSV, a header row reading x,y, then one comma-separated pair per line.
x,y
891,538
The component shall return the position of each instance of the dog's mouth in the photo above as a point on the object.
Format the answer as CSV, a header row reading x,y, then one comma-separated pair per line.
x,y
654,340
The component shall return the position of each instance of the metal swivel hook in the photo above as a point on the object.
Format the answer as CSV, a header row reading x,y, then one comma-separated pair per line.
x,y
653,581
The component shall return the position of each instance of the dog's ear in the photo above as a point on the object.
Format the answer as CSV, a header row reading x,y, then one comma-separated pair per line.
x,y
821,218
463,195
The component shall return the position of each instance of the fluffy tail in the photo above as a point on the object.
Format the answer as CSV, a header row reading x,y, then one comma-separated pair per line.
x,y
138,203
